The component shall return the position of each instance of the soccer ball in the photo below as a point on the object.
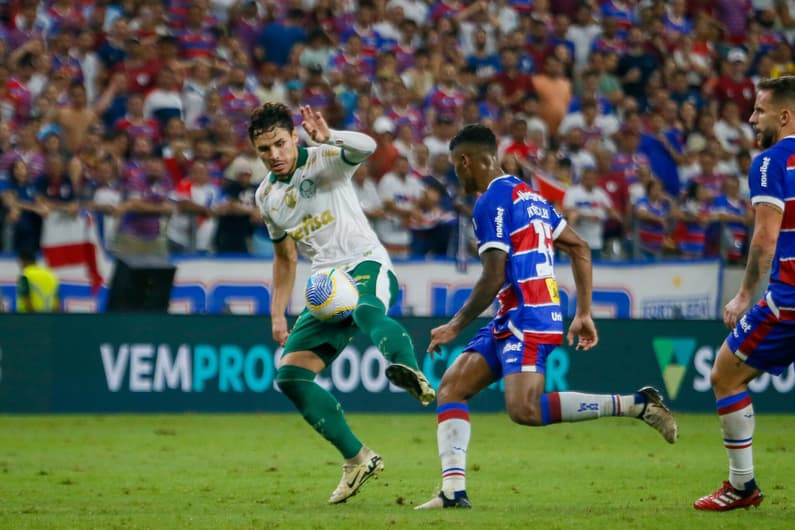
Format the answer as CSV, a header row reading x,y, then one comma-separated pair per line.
x,y
331,295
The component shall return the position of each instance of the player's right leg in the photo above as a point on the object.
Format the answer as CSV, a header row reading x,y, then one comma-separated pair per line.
x,y
310,347
378,289
523,368
468,375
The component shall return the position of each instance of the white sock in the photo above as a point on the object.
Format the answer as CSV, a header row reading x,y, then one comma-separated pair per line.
x,y
737,423
452,436
559,407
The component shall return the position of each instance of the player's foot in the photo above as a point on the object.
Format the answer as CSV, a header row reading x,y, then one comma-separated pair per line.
x,y
412,381
657,415
355,475
730,498
440,501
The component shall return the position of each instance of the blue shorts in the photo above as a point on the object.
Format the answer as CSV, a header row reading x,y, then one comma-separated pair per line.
x,y
509,355
763,341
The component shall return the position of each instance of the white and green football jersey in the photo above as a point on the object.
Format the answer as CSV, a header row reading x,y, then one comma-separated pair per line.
x,y
317,206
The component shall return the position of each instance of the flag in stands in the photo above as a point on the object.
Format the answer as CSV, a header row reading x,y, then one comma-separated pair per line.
x,y
549,188
72,240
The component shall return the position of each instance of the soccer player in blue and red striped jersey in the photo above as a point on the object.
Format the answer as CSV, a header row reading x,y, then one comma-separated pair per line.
x,y
517,232
761,339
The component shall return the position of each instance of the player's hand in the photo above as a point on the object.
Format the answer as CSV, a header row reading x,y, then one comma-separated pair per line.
x,y
315,125
441,335
585,330
735,308
279,330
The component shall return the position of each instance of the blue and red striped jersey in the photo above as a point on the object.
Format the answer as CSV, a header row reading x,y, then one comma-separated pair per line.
x,y
510,216
772,181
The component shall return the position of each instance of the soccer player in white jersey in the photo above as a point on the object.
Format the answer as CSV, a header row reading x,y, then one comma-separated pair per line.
x,y
763,337
309,205
517,232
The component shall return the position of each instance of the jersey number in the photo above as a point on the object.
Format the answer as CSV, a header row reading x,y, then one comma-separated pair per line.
x,y
545,247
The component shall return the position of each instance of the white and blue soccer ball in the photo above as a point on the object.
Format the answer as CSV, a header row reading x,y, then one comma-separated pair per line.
x,y
331,295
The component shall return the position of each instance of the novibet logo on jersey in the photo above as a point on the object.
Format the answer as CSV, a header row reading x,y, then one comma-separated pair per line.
x,y
673,355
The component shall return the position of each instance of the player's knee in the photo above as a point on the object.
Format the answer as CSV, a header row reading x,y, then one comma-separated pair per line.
x,y
369,312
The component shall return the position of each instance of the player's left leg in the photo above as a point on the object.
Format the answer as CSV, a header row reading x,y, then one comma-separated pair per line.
x,y
730,377
311,346
468,375
377,290
524,368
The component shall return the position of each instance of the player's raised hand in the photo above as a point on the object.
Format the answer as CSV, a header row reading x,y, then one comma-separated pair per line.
x,y
585,330
441,335
315,124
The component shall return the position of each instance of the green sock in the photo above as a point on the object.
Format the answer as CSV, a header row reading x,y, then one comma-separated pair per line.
x,y
389,337
319,408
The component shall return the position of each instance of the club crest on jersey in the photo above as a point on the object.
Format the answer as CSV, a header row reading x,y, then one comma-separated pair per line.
x,y
307,189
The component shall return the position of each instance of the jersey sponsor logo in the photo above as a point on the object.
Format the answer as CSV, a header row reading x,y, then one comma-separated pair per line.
x,y
307,189
763,171
517,346
498,221
290,198
311,224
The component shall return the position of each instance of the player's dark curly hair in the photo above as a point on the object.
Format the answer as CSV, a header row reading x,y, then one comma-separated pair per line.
x,y
269,116
475,134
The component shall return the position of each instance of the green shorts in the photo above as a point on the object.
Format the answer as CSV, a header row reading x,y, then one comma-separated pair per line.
x,y
328,339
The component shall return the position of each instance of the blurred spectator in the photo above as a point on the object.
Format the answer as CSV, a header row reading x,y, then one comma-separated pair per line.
x,y
438,141
732,85
269,86
145,189
419,78
708,176
26,149
195,89
56,189
235,214
694,216
248,162
367,193
237,102
139,66
587,207
485,62
636,66
37,286
135,124
416,10
76,118
736,214
386,154
653,214
518,144
516,85
317,51
733,16
26,208
596,127
732,130
277,38
446,99
573,147
192,224
554,93
399,192
105,199
195,39
582,31
628,157
164,101
432,226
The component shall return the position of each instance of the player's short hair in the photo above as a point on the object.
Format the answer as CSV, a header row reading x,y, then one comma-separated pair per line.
x,y
269,116
477,135
782,90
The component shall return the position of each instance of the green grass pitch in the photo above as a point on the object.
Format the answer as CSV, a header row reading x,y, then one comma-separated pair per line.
x,y
273,471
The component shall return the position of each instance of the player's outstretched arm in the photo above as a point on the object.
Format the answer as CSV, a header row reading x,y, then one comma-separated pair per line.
x,y
356,146
285,260
582,326
491,280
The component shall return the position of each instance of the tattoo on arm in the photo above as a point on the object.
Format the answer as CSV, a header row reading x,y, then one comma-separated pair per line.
x,y
759,263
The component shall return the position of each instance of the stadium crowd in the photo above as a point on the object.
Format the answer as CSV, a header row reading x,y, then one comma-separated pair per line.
x,y
631,115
